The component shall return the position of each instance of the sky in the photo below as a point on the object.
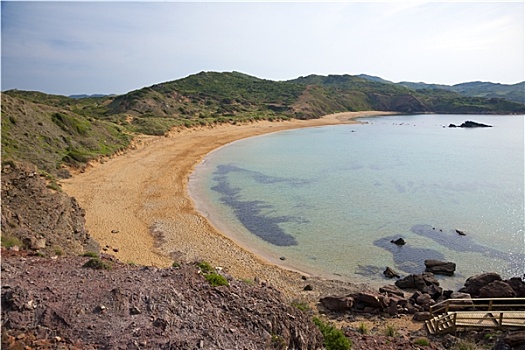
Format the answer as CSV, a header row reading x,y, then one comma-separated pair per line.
x,y
115,47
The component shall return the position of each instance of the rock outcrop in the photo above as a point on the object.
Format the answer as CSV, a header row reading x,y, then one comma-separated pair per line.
x,y
40,218
60,304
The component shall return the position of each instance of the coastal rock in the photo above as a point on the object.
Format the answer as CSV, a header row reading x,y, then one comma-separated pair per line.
x,y
470,124
440,267
392,290
419,282
474,283
518,285
425,301
399,241
497,289
459,295
372,300
390,273
334,303
461,233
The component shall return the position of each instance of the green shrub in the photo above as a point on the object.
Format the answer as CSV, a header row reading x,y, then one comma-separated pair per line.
x,y
216,280
301,305
90,255
334,339
422,342
175,265
205,267
54,186
11,241
97,264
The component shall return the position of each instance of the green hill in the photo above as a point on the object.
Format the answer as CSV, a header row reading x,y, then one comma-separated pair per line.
x,y
50,130
49,134
513,92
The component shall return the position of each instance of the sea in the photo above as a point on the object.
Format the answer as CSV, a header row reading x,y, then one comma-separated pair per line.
x,y
330,200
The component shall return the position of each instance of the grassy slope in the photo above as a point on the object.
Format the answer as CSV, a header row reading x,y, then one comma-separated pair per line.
x,y
48,136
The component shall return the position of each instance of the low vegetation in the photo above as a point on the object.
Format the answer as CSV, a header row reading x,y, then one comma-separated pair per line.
x,y
97,264
211,276
363,328
422,342
10,241
390,330
216,280
334,339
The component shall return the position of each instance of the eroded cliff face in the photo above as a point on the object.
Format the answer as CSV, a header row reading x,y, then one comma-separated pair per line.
x,y
59,303
38,218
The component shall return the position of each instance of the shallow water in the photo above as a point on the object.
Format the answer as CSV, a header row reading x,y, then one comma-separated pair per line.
x,y
330,199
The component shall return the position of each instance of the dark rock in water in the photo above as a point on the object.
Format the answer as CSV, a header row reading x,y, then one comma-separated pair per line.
x,y
390,273
470,124
475,283
497,289
399,241
440,267
461,233
334,303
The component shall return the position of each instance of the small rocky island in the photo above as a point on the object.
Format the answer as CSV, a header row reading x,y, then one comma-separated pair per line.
x,y
470,124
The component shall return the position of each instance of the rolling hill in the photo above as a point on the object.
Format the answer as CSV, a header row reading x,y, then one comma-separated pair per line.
x,y
49,130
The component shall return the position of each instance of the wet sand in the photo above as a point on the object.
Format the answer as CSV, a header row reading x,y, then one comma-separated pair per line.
x,y
138,207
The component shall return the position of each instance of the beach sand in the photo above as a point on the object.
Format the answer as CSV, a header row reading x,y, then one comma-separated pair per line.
x,y
138,207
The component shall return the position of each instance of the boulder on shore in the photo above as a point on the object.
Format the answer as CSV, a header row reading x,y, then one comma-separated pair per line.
x,y
335,303
420,282
440,267
497,289
475,283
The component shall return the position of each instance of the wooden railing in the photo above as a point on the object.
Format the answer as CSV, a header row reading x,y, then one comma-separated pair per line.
x,y
478,304
449,315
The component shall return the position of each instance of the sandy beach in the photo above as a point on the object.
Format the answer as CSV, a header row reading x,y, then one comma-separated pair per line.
x,y
138,207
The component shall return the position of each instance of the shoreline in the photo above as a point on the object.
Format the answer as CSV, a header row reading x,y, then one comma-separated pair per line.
x,y
139,208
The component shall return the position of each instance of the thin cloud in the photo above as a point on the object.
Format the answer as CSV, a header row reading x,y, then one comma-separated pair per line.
x,y
114,47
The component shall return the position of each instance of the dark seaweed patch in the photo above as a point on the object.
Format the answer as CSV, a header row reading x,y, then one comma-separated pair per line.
x,y
407,258
249,213
451,240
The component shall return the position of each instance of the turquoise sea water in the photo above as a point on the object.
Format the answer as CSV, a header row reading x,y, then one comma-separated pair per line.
x,y
330,199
